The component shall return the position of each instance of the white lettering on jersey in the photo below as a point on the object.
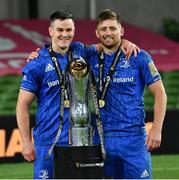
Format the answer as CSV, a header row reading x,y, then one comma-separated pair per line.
x,y
53,83
123,80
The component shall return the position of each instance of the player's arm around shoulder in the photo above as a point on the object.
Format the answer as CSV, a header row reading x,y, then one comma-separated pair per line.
x,y
35,67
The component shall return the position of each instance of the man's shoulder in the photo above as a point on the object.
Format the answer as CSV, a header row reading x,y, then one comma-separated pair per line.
x,y
39,62
78,49
82,46
143,53
77,45
43,57
142,56
44,53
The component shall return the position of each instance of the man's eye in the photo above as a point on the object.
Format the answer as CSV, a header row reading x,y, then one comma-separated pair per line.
x,y
112,28
103,29
60,30
69,30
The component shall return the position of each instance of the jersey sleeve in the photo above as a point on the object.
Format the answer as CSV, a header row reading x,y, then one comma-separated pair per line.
x,y
148,69
91,50
83,49
32,74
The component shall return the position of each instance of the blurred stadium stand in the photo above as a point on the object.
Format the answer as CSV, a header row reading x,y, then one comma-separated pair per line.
x,y
9,87
171,84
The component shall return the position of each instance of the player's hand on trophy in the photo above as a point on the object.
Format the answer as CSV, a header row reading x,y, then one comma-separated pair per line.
x,y
128,48
33,54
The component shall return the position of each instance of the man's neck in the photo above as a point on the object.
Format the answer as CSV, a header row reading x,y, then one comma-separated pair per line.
x,y
60,50
111,50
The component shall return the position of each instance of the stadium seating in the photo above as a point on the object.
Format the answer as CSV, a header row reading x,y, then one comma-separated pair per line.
x,y
171,84
9,87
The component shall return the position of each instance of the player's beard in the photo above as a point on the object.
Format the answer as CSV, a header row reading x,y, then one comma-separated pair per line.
x,y
112,45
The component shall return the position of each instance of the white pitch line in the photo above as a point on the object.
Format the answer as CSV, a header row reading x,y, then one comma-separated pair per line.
x,y
167,169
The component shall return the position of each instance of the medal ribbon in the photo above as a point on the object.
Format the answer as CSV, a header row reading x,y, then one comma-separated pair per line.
x,y
97,112
63,95
103,86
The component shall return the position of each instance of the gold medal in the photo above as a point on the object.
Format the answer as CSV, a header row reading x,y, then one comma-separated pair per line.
x,y
101,103
67,103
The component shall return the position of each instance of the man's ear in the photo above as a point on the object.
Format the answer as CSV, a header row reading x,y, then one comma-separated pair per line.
x,y
122,31
97,35
50,30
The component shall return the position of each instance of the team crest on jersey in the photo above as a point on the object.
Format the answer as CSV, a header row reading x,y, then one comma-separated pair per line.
x,y
43,174
153,69
124,64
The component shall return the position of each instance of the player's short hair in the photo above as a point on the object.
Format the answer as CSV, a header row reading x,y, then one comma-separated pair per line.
x,y
108,14
61,14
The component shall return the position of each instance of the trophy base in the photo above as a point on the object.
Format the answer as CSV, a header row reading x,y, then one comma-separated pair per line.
x,y
78,162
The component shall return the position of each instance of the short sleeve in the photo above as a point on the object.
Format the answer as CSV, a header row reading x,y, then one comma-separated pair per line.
x,y
31,76
148,69
83,50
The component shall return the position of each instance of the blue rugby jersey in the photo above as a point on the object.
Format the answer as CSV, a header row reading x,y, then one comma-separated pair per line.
x,y
124,113
40,78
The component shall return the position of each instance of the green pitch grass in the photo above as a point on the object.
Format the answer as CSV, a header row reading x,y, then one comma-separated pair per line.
x,y
164,167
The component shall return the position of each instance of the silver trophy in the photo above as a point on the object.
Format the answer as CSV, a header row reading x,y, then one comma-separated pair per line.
x,y
80,133
82,158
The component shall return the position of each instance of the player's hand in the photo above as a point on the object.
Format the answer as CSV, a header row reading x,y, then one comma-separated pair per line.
x,y
153,140
128,48
33,54
28,151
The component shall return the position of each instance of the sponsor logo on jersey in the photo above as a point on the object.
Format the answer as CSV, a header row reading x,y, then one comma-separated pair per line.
x,y
119,79
49,67
123,80
53,83
144,174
